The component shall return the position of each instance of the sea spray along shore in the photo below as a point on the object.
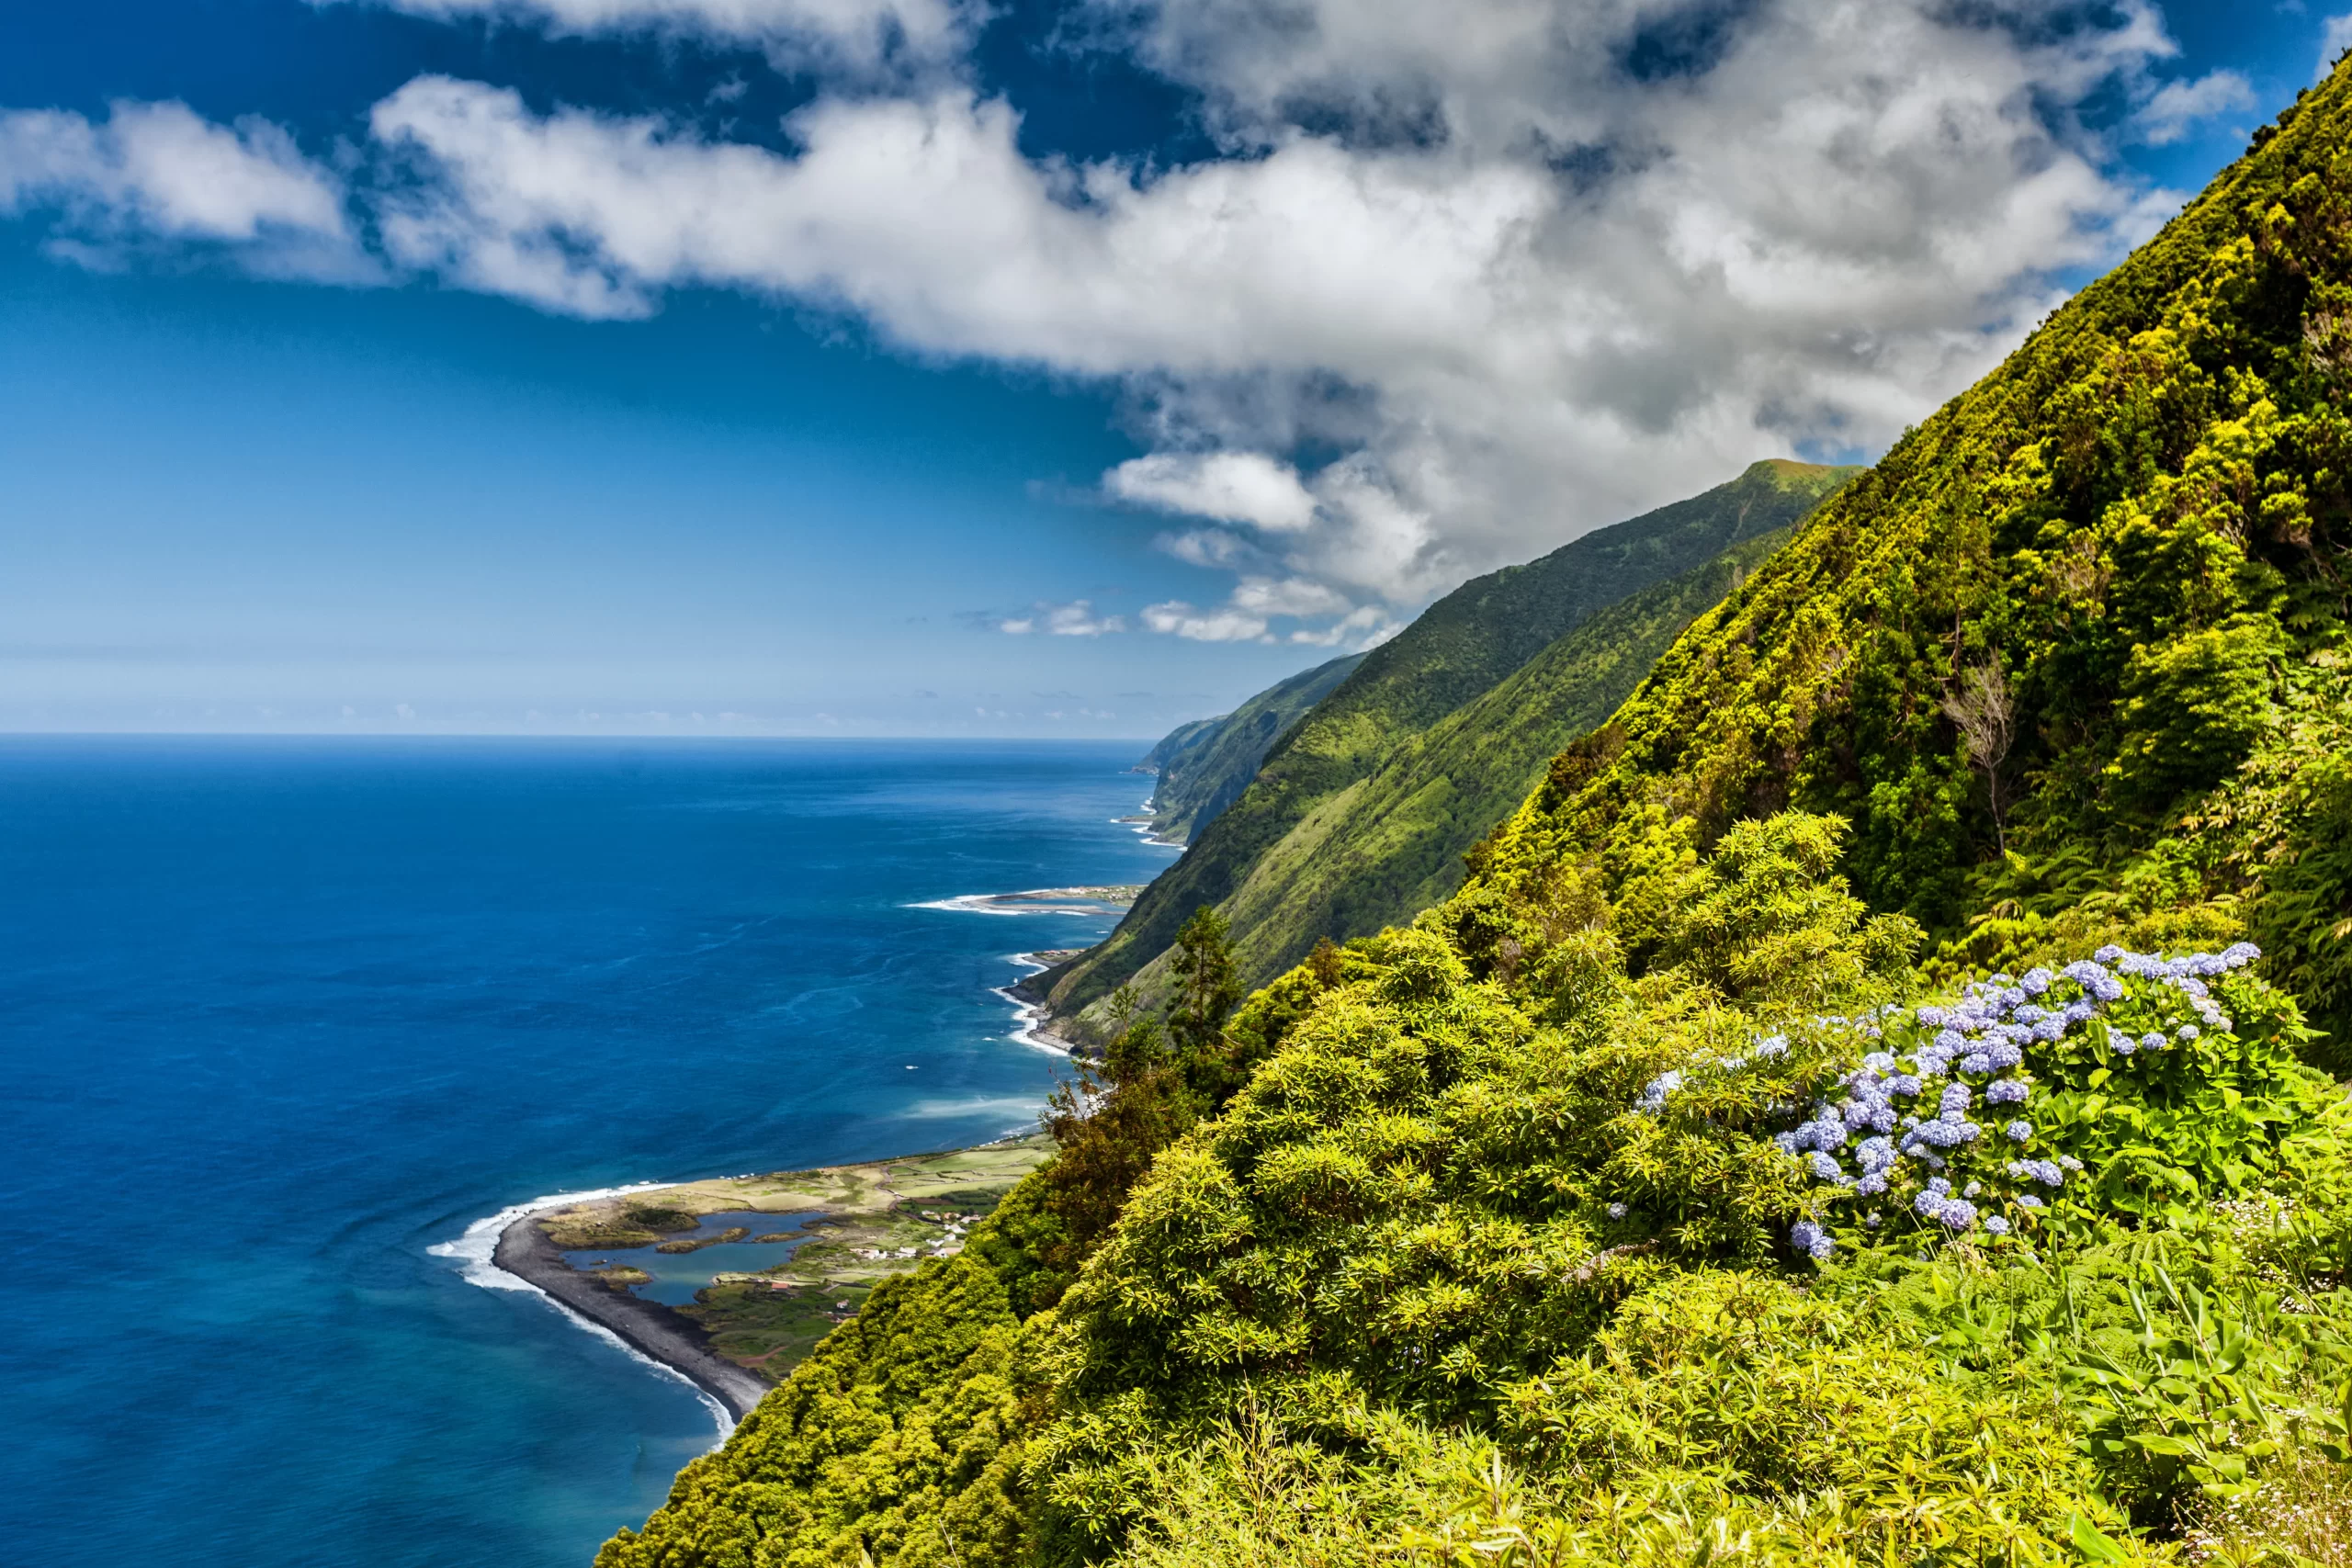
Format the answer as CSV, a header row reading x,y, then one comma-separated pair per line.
x,y
855,1226
1031,1019
1041,901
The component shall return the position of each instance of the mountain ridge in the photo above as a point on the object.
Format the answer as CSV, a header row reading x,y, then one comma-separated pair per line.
x,y
1203,766
1459,650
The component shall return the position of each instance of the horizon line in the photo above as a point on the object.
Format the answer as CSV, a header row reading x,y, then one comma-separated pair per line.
x,y
10,733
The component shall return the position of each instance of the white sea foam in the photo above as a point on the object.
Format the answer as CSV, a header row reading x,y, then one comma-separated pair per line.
x,y
476,1251
1000,903
478,1247
1027,1015
1021,1108
1144,830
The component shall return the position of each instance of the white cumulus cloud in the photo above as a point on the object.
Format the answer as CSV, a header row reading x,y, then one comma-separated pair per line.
x,y
150,171
1206,547
1296,596
1507,269
860,37
2178,106
1231,487
2334,38
1548,296
1076,618
1177,618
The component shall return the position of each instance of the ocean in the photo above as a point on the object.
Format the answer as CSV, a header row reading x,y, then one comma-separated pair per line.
x,y
281,1017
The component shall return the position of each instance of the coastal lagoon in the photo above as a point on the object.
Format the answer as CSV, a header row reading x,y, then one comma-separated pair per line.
x,y
282,1016
676,1277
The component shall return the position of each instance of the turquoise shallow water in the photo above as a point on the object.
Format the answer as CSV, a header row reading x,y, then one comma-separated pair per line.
x,y
279,1017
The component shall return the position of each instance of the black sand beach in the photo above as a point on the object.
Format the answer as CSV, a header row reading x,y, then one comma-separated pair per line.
x,y
670,1337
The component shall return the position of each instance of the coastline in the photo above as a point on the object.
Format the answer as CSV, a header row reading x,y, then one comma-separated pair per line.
x,y
1032,1024
523,1254
860,1224
658,1333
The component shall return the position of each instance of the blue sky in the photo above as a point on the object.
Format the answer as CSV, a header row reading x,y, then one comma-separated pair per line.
x,y
921,366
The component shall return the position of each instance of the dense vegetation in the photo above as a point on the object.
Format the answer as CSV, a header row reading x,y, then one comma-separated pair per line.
x,y
1857,1111
1203,766
1459,650
1392,843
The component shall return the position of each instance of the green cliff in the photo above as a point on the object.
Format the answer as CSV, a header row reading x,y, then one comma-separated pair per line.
x,y
1687,1187
1203,766
1458,651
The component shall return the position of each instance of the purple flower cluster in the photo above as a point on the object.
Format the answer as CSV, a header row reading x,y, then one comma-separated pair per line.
x,y
2047,1172
1936,1201
1915,1105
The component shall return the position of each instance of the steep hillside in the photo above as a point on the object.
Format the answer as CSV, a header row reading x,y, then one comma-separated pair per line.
x,y
1176,742
1203,766
1458,649
2070,655
1390,845
1649,1201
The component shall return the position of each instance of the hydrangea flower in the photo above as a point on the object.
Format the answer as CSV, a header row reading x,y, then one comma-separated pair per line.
x,y
2093,976
1808,1237
1942,1057
1618,1211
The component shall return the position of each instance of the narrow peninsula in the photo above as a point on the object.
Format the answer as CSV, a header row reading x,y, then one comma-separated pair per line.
x,y
756,1268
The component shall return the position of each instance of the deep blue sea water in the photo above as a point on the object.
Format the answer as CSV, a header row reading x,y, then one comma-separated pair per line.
x,y
279,1016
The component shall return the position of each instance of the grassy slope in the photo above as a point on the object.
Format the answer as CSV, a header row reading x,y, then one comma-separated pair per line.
x,y
1428,1282
1459,649
1203,766
2140,520
1391,845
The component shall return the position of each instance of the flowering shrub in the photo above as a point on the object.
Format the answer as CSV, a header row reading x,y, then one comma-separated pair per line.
x,y
2124,1080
